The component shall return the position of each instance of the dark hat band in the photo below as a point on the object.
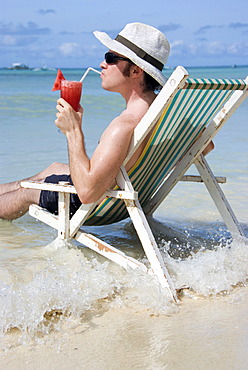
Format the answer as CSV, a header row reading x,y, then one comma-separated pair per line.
x,y
139,52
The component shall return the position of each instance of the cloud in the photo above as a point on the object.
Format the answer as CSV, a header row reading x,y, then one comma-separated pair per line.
x,y
17,41
9,40
30,29
238,49
176,43
179,48
169,27
65,33
210,49
70,49
238,25
202,39
207,28
45,11
215,48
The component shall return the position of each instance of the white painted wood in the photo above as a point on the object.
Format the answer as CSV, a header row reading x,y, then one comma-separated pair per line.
x,y
67,188
146,237
43,215
84,211
63,216
64,187
80,217
150,247
218,197
109,251
121,194
123,181
194,178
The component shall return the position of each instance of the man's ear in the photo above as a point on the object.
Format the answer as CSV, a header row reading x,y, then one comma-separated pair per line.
x,y
136,71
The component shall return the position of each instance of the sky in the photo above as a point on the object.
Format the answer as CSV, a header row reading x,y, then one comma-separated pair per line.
x,y
58,34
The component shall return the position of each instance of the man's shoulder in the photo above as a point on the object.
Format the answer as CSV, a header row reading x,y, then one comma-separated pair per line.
x,y
128,117
132,115
122,126
125,123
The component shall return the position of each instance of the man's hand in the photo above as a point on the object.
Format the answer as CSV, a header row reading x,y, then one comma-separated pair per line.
x,y
67,118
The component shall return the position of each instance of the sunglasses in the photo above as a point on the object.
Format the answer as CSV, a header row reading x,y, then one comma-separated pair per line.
x,y
111,58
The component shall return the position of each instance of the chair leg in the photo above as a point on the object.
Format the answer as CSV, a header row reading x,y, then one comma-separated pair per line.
x,y
150,246
145,235
63,216
218,197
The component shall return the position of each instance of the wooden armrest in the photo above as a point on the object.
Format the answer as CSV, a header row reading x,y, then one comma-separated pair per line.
x,y
65,187
121,194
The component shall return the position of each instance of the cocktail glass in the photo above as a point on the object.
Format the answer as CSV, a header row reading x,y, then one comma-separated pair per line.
x,y
71,91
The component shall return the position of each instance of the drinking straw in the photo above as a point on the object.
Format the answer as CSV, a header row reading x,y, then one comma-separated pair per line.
x,y
89,69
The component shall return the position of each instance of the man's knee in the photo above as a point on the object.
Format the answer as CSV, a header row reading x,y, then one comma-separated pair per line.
x,y
59,168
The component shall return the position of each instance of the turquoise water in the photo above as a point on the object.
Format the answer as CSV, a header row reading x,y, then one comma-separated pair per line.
x,y
38,277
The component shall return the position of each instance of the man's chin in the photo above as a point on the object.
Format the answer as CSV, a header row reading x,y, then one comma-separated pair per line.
x,y
105,87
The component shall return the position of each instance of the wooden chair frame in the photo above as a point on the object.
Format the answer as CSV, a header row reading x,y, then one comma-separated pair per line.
x,y
68,229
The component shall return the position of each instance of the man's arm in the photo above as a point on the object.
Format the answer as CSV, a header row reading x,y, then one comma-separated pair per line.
x,y
93,176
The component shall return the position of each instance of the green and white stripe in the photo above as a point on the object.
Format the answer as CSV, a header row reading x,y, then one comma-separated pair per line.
x,y
215,83
190,111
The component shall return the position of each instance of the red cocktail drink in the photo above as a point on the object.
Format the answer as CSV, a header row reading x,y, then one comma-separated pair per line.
x,y
71,92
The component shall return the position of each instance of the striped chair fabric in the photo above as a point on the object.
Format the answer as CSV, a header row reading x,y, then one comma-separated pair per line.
x,y
191,109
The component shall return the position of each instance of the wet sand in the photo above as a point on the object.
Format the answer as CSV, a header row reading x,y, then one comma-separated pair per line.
x,y
204,333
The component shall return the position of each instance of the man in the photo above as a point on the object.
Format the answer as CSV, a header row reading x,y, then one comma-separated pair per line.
x,y
132,67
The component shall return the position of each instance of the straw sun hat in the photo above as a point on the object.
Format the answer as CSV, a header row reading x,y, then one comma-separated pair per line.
x,y
144,45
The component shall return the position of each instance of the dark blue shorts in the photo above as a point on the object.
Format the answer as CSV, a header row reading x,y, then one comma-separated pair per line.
x,y
49,199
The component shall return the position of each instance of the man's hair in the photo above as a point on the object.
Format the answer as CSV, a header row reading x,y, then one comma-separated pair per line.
x,y
150,84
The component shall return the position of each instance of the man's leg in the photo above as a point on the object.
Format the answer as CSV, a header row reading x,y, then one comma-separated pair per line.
x,y
55,168
15,201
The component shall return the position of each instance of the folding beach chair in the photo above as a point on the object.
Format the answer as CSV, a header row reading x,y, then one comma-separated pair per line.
x,y
184,117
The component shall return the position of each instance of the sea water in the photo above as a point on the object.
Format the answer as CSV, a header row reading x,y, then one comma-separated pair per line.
x,y
45,283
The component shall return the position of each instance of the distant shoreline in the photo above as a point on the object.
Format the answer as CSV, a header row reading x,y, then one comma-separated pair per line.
x,y
76,68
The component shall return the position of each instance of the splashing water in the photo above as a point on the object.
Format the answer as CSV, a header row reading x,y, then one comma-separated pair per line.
x,y
64,283
210,272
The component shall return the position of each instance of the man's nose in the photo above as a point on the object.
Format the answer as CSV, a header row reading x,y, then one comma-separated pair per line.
x,y
103,64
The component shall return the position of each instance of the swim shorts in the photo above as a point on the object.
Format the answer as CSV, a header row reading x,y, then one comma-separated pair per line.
x,y
49,199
